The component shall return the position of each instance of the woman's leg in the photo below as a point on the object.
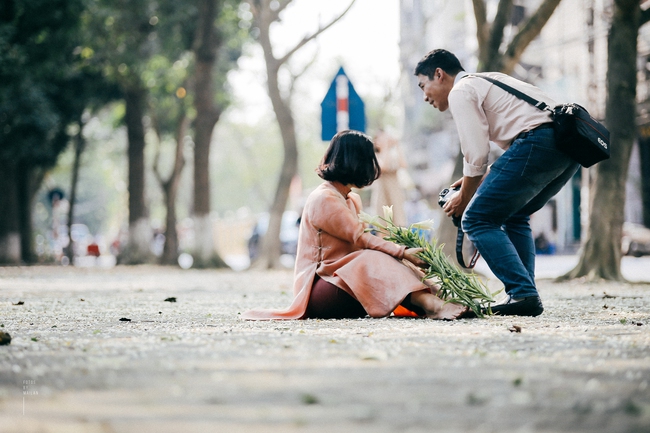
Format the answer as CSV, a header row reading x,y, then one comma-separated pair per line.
x,y
329,302
435,308
409,305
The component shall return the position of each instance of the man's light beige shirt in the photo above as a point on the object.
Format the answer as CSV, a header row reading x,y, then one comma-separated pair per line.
x,y
484,112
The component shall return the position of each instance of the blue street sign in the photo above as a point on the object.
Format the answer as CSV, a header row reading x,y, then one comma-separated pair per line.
x,y
342,108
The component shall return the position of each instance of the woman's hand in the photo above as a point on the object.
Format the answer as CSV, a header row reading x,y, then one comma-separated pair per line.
x,y
411,255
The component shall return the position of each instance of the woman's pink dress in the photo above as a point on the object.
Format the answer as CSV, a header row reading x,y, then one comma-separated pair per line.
x,y
332,244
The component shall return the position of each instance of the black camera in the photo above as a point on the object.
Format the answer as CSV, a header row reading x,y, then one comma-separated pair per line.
x,y
444,196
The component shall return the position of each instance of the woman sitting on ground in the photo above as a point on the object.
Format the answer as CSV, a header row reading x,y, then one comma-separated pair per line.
x,y
341,271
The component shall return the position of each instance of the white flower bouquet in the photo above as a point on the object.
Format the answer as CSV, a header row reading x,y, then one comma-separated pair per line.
x,y
454,284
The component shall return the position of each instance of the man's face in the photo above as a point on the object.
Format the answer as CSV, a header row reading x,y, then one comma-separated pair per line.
x,y
435,90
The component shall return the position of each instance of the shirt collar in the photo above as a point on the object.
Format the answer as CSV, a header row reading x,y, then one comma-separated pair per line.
x,y
459,76
342,189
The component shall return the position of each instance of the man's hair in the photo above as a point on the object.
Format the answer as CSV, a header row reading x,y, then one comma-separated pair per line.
x,y
350,159
438,58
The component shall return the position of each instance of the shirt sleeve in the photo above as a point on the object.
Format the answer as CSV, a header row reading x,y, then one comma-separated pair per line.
x,y
472,126
334,217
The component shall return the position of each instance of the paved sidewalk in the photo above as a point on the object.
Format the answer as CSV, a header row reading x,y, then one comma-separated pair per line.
x,y
634,269
194,366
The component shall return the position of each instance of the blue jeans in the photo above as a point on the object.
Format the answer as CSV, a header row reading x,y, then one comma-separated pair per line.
x,y
497,219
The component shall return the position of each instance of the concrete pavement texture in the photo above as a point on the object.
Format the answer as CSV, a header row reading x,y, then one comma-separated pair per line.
x,y
184,361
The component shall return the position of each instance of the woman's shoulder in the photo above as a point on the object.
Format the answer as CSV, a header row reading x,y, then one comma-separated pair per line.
x,y
324,190
325,195
319,194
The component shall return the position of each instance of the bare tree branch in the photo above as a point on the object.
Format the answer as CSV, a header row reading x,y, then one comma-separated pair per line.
x,y
295,77
255,6
283,5
313,35
179,160
264,6
501,19
156,159
528,32
263,19
482,27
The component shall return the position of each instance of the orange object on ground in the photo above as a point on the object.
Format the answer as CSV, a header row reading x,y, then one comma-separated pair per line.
x,y
403,312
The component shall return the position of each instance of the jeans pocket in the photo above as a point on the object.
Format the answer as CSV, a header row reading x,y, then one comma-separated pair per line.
x,y
543,164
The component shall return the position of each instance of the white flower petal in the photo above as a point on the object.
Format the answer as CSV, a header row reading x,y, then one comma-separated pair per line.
x,y
424,225
367,218
388,213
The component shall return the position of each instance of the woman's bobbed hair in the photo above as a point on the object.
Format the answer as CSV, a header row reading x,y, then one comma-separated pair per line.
x,y
350,159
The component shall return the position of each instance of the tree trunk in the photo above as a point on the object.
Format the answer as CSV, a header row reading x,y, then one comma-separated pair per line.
x,y
265,15
78,150
271,246
25,196
135,102
494,59
207,43
9,227
644,151
170,189
170,249
601,255
138,248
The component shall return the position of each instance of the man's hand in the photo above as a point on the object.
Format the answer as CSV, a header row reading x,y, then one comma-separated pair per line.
x,y
457,204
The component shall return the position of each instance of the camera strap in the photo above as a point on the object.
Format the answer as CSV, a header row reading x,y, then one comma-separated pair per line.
x,y
474,254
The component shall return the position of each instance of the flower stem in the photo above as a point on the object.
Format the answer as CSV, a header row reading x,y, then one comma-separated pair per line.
x,y
455,285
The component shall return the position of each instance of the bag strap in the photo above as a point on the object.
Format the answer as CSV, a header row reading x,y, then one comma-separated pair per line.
x,y
521,95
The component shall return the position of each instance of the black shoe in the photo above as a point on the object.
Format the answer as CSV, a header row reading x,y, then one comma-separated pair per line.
x,y
530,306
